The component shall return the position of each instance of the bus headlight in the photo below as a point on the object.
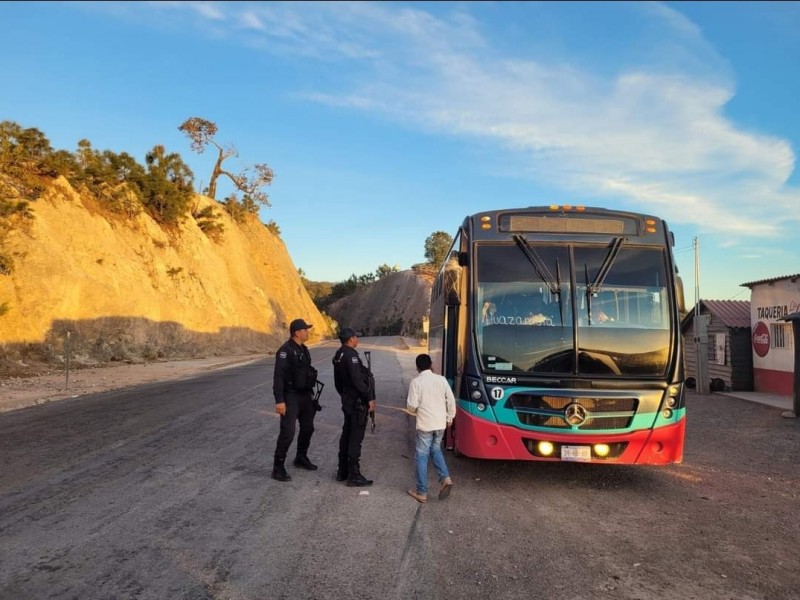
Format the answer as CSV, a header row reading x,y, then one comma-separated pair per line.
x,y
667,413
601,449
481,407
545,448
476,395
671,401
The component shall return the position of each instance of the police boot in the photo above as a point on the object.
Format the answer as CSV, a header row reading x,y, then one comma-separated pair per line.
x,y
279,471
342,473
302,461
356,479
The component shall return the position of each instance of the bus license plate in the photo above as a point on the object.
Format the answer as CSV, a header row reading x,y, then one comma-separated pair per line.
x,y
576,453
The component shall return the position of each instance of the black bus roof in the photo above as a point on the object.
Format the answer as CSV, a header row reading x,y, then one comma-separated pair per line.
x,y
560,222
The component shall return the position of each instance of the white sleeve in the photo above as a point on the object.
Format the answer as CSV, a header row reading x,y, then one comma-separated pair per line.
x,y
412,402
450,400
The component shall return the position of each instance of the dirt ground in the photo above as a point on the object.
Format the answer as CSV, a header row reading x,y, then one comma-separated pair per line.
x,y
50,385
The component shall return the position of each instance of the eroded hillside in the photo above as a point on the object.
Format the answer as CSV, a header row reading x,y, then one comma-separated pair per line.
x,y
393,305
128,289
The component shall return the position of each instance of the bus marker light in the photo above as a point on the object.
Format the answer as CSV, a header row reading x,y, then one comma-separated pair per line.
x,y
486,218
545,448
601,449
486,226
673,390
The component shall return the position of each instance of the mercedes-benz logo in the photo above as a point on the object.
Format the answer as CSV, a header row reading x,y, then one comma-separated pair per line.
x,y
575,414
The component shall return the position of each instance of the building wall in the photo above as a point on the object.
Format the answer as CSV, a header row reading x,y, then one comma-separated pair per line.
x,y
729,356
719,353
772,340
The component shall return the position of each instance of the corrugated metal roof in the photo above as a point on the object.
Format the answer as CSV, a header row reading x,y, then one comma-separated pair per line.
x,y
752,283
733,313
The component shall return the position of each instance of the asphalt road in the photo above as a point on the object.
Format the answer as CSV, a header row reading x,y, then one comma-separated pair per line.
x,y
163,491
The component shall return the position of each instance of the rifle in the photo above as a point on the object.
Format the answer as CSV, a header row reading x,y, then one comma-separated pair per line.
x,y
368,356
318,386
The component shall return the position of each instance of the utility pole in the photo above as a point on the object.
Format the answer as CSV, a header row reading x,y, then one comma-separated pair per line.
x,y
700,323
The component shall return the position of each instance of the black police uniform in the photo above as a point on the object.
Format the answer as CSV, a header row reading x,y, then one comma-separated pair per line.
x,y
293,384
351,380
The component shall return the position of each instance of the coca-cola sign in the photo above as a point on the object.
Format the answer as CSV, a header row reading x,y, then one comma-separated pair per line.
x,y
761,339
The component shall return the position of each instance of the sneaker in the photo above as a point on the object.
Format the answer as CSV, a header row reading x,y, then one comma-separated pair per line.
x,y
447,485
421,498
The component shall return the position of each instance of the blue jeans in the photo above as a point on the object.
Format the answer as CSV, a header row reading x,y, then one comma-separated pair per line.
x,y
429,444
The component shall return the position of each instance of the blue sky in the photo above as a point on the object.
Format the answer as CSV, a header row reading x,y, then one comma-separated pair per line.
x,y
386,122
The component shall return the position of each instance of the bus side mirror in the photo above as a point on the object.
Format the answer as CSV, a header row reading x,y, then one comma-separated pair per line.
x,y
680,298
452,282
463,259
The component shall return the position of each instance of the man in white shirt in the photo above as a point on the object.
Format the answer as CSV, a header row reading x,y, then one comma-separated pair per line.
x,y
431,400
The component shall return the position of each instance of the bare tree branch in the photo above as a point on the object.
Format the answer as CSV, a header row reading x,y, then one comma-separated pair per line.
x,y
249,181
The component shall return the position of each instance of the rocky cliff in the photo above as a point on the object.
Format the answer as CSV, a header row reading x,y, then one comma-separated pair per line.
x,y
393,305
126,289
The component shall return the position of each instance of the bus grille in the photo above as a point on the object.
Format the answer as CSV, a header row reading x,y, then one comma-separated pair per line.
x,y
549,411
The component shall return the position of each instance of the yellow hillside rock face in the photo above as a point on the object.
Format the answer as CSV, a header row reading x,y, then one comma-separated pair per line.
x,y
126,288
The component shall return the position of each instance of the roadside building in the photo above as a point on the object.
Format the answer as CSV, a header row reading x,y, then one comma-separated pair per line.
x,y
730,358
771,300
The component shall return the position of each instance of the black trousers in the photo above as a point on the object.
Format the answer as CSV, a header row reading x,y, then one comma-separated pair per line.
x,y
355,424
299,407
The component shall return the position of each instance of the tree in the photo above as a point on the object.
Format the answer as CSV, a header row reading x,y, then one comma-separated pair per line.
x,y
22,156
436,246
116,180
167,187
248,181
384,270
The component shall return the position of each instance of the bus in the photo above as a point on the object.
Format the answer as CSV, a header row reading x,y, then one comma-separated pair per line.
x,y
558,328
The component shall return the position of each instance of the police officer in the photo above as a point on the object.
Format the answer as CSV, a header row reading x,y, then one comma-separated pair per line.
x,y
354,384
293,385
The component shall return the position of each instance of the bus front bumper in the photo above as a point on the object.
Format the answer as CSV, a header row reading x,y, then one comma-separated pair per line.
x,y
478,438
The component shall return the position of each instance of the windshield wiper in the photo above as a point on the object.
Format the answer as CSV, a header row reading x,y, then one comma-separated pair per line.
x,y
538,264
553,285
593,288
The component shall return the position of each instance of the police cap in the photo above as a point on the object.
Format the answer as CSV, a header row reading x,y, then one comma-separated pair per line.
x,y
346,333
297,325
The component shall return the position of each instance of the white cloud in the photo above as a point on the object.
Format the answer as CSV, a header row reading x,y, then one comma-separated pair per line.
x,y
652,132
207,10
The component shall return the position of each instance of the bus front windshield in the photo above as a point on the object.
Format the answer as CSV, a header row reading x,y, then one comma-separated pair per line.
x,y
572,310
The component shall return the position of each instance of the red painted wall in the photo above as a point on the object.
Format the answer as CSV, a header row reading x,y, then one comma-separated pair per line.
x,y
773,382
